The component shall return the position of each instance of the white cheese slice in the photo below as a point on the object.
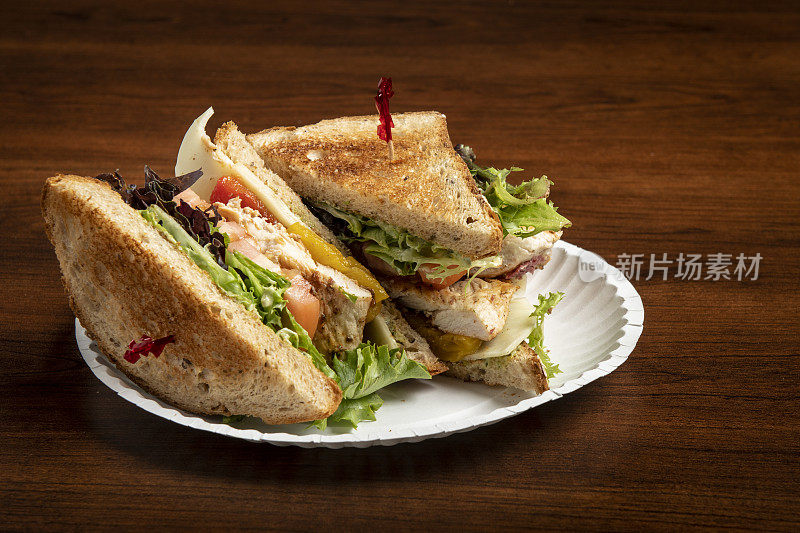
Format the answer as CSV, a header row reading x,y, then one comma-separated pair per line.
x,y
198,151
518,326
378,332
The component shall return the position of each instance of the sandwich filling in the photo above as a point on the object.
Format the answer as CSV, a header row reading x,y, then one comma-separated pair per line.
x,y
522,255
321,296
405,254
525,324
474,308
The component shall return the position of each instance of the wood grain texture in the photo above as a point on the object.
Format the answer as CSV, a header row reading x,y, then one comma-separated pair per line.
x,y
666,127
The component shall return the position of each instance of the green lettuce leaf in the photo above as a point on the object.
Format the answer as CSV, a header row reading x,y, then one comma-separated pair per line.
x,y
536,338
266,287
494,183
369,367
355,410
401,250
523,209
363,371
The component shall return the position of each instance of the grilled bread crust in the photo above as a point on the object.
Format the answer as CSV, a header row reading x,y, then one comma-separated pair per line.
x,y
522,370
125,280
236,146
426,189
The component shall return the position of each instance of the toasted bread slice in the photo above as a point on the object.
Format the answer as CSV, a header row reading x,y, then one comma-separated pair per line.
x,y
474,308
522,370
125,280
426,189
236,146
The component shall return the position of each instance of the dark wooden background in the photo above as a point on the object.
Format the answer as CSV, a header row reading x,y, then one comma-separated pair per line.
x,y
668,127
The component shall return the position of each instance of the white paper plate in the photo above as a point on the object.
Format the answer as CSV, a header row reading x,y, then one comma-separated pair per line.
x,y
589,334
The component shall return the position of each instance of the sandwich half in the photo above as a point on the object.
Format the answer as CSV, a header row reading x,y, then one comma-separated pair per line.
x,y
126,280
449,240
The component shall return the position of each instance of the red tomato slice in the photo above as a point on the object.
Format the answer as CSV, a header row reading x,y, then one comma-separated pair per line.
x,y
301,302
228,187
425,272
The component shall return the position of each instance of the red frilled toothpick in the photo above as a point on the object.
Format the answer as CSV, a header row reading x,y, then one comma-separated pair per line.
x,y
382,104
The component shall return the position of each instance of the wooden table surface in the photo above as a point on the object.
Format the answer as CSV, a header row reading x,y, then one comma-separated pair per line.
x,y
667,129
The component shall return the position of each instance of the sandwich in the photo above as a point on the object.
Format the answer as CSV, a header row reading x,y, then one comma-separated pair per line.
x,y
211,293
450,241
